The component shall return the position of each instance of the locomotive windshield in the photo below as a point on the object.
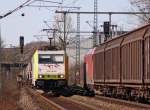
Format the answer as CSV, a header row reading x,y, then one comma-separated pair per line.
x,y
49,59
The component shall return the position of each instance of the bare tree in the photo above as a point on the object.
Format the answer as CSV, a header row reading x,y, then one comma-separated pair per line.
x,y
142,6
59,26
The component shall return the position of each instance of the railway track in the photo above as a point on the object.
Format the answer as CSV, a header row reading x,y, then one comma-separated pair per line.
x,y
44,102
70,104
123,102
84,103
106,103
58,103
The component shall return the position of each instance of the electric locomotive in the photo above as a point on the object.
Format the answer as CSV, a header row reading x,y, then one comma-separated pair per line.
x,y
49,69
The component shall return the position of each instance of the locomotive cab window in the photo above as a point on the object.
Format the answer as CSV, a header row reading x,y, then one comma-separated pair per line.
x,y
44,59
58,58
48,59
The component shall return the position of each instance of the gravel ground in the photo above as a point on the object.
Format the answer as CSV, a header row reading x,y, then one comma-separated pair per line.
x,y
12,97
26,102
101,105
9,93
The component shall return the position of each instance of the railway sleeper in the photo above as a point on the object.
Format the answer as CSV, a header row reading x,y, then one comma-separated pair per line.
x,y
133,94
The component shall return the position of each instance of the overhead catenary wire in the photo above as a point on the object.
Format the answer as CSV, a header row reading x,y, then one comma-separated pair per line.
x,y
52,6
88,12
16,9
29,2
26,3
71,3
48,1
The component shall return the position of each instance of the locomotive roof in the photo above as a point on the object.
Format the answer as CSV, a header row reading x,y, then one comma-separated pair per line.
x,y
51,52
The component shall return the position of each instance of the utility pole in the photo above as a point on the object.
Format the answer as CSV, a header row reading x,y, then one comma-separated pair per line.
x,y
77,72
64,33
22,59
54,33
95,23
110,31
0,63
0,39
0,42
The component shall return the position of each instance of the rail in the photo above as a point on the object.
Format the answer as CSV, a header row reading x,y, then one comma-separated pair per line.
x,y
123,102
44,101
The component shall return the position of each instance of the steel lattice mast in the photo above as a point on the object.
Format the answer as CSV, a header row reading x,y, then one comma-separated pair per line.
x,y
77,72
95,23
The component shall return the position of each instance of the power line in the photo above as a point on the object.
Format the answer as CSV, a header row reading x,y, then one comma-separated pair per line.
x,y
52,6
16,9
46,24
88,12
48,1
27,3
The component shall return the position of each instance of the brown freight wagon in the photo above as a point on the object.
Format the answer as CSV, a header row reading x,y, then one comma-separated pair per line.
x,y
122,65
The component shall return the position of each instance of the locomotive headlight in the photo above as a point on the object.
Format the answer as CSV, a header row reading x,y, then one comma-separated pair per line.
x,y
61,76
40,76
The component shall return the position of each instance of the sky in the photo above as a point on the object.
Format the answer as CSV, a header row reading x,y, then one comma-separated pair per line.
x,y
32,23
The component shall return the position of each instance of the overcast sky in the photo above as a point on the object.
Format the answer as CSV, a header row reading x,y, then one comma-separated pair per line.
x,y
16,25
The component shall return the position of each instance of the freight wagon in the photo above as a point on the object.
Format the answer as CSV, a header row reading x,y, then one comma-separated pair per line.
x,y
120,67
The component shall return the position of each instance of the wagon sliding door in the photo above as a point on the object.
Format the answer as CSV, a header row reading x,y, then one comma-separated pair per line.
x,y
147,60
132,63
